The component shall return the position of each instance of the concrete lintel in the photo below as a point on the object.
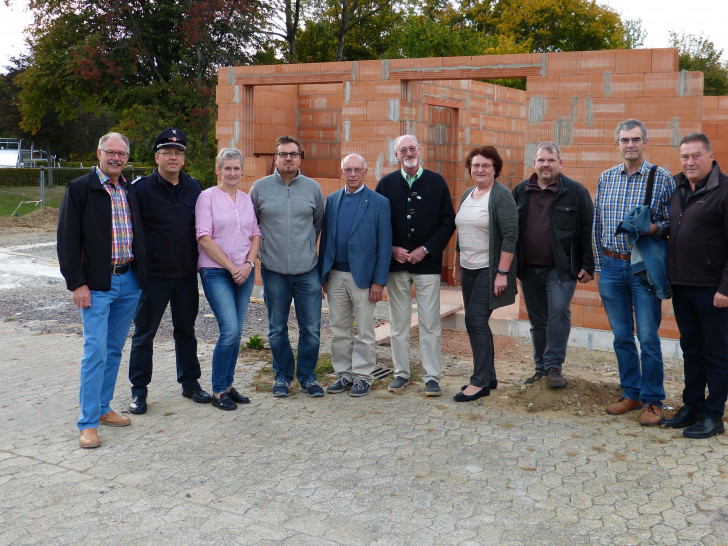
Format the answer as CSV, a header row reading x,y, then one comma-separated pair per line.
x,y
515,70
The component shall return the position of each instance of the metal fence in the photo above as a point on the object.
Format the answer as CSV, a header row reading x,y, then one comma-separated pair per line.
x,y
43,177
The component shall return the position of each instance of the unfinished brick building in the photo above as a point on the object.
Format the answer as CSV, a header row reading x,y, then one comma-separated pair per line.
x,y
575,99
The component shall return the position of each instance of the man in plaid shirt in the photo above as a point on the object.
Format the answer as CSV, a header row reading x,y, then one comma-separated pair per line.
x,y
102,256
620,190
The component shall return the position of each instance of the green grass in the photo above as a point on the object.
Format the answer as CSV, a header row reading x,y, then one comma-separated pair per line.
x,y
263,380
10,197
255,342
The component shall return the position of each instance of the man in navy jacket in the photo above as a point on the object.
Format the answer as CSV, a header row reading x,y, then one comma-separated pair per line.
x,y
101,253
354,256
167,200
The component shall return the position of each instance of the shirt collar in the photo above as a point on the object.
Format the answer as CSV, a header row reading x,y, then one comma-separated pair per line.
x,y
642,168
532,184
347,192
106,180
410,179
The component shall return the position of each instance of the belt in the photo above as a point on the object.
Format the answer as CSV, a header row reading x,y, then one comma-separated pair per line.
x,y
120,268
616,255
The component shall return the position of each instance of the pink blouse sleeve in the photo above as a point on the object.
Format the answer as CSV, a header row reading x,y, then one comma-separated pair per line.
x,y
203,214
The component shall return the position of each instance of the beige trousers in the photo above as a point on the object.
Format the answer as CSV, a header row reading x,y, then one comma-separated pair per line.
x,y
427,295
353,356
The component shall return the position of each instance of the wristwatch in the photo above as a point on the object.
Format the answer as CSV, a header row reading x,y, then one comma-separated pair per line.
x,y
502,272
251,264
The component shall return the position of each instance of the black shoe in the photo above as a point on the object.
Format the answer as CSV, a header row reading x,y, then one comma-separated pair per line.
x,y
138,405
493,385
398,384
684,417
224,402
535,377
705,428
432,388
360,388
554,379
462,397
342,383
197,395
235,396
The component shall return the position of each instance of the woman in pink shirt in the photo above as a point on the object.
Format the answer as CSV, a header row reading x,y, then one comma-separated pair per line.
x,y
228,239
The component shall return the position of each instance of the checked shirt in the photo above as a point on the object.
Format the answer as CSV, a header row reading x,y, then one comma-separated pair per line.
x,y
617,194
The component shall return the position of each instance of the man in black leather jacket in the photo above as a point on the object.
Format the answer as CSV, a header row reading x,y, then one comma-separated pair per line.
x,y
554,251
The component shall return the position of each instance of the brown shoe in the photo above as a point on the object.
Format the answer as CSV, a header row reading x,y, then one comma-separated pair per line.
x,y
113,419
623,405
89,439
652,415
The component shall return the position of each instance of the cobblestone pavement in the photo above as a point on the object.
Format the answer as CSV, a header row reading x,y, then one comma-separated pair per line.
x,y
383,469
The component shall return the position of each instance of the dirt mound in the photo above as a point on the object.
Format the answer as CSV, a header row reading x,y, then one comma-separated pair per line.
x,y
579,397
44,217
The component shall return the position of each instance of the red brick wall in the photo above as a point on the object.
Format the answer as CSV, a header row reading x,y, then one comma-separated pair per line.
x,y
574,98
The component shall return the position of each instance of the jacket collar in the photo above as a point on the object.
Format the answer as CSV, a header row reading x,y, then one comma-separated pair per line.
x,y
711,184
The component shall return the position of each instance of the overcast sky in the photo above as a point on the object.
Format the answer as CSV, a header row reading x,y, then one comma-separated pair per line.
x,y
709,17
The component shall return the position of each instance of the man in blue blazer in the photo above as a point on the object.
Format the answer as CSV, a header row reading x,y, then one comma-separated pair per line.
x,y
354,256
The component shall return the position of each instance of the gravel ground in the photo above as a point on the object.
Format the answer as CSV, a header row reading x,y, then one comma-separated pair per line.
x,y
44,304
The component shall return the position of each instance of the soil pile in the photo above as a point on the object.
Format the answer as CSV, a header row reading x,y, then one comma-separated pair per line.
x,y
44,218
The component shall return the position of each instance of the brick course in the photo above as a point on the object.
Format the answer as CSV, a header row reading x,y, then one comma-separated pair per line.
x,y
573,98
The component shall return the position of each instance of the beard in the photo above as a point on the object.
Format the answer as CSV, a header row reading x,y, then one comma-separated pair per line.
x,y
410,163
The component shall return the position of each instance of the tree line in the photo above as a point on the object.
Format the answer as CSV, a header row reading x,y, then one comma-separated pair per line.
x,y
139,66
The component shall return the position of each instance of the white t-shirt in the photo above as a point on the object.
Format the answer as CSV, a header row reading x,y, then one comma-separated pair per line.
x,y
473,223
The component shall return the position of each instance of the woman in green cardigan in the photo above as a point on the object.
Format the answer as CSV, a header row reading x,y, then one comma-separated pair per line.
x,y
487,225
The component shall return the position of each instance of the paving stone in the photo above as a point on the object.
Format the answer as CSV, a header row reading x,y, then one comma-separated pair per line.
x,y
388,469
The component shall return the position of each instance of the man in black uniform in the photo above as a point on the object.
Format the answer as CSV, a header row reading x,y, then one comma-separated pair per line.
x,y
167,200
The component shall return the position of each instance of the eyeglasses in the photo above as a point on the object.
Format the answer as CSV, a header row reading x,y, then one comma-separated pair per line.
x,y
635,140
120,155
356,170
292,155
411,149
478,166
172,153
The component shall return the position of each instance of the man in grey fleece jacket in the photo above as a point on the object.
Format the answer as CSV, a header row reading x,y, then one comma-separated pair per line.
x,y
290,210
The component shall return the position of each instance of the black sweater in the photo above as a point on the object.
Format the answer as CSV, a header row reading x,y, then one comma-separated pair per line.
x,y
421,216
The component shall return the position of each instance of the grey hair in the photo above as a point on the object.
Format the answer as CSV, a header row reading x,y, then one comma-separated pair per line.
x,y
364,161
229,154
697,137
549,147
399,139
107,136
628,124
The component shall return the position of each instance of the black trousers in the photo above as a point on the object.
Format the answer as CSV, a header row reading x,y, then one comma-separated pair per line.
x,y
476,300
704,342
184,298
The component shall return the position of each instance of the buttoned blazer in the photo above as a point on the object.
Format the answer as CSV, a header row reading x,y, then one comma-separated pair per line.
x,y
370,240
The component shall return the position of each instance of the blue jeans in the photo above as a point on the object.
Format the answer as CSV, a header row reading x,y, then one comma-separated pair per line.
x,y
548,302
305,292
704,341
105,327
183,298
229,302
622,295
